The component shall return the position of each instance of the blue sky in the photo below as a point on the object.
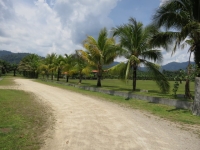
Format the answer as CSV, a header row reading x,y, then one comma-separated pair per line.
x,y
142,10
60,26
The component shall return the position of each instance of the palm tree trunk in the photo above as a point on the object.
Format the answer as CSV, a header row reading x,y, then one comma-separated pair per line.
x,y
187,89
14,72
52,75
197,56
58,75
134,77
80,77
36,75
98,80
99,76
67,78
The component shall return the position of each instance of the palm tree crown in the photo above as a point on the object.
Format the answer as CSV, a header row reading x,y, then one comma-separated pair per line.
x,y
184,17
99,52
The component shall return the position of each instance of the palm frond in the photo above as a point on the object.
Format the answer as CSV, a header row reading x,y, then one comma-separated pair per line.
x,y
170,15
164,39
102,39
154,55
119,69
160,79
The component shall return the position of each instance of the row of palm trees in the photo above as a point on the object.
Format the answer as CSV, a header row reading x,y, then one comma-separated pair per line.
x,y
134,46
137,43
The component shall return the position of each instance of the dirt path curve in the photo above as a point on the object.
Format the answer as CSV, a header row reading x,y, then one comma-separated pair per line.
x,y
84,123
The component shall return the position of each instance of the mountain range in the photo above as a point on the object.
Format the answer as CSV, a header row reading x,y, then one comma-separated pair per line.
x,y
172,66
17,57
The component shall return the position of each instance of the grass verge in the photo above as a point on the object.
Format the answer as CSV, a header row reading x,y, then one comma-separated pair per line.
x,y
7,81
23,119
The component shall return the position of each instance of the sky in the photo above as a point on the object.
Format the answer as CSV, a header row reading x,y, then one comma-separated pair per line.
x,y
60,26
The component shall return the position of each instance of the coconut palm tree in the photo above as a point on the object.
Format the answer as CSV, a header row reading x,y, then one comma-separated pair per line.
x,y
49,61
59,64
183,16
29,65
134,39
43,68
69,63
99,52
14,68
82,67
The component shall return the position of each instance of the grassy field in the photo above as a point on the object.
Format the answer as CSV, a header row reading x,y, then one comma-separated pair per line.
x,y
151,86
167,112
23,119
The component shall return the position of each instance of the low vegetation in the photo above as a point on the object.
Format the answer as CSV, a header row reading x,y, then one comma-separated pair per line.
x,y
23,119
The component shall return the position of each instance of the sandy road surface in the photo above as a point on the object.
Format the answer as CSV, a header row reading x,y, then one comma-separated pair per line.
x,y
84,123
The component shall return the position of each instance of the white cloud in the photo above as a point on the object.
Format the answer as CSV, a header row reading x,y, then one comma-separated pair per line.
x,y
163,1
60,26
46,26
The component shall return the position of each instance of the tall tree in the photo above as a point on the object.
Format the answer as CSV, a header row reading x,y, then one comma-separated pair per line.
x,y
134,39
82,67
69,65
14,68
59,64
183,16
99,52
5,66
49,61
29,65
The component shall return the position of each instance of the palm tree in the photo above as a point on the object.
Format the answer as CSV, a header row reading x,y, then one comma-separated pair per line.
x,y
4,66
183,16
44,70
99,52
69,65
49,61
14,68
59,64
29,65
82,67
134,39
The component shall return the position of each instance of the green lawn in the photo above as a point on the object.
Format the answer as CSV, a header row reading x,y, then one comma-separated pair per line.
x,y
23,119
151,86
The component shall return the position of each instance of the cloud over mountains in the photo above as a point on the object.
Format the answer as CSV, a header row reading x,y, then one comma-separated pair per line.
x,y
60,26
46,26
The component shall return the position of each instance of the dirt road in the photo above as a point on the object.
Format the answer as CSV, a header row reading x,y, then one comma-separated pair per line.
x,y
85,123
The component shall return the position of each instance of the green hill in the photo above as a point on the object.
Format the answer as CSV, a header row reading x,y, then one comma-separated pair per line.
x,y
13,58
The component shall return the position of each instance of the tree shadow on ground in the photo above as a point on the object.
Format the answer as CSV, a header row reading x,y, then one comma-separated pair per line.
x,y
178,110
